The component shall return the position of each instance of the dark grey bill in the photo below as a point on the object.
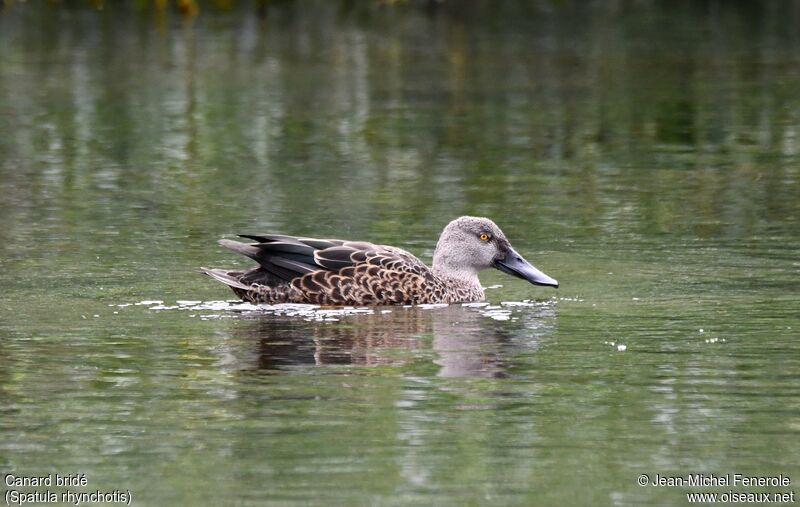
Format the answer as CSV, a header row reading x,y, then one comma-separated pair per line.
x,y
515,265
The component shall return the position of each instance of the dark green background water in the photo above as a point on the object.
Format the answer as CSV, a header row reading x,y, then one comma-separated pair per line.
x,y
646,154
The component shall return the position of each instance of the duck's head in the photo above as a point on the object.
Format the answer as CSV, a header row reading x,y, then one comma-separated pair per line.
x,y
469,244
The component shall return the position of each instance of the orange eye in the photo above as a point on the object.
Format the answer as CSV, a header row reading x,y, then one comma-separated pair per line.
x,y
484,237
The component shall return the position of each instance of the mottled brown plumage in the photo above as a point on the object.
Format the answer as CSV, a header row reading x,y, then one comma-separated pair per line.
x,y
334,272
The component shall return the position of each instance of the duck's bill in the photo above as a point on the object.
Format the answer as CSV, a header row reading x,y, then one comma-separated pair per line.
x,y
515,265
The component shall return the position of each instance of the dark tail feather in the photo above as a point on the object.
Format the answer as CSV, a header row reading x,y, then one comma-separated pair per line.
x,y
225,277
242,248
281,261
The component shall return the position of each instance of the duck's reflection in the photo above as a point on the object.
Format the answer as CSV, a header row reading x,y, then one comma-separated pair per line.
x,y
462,341
469,344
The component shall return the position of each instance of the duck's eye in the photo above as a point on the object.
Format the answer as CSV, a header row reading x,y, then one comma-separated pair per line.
x,y
484,237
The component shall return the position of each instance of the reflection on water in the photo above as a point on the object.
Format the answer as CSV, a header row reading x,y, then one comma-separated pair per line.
x,y
366,340
468,340
469,345
421,114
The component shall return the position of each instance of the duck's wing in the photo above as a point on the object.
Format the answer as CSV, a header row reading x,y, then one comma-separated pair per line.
x,y
289,258
358,273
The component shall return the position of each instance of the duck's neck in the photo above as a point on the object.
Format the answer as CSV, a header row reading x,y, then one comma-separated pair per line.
x,y
461,276
452,266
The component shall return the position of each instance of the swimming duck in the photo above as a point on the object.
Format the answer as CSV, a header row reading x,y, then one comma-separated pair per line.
x,y
296,269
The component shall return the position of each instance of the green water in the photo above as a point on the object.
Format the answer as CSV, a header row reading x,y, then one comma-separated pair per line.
x,y
646,155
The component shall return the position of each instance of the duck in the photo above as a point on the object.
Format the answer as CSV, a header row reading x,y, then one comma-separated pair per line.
x,y
332,272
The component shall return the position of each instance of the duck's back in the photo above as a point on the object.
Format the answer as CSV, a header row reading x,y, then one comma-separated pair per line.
x,y
331,272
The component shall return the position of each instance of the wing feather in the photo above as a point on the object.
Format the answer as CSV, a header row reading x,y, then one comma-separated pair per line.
x,y
335,258
285,247
326,271
321,244
293,265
